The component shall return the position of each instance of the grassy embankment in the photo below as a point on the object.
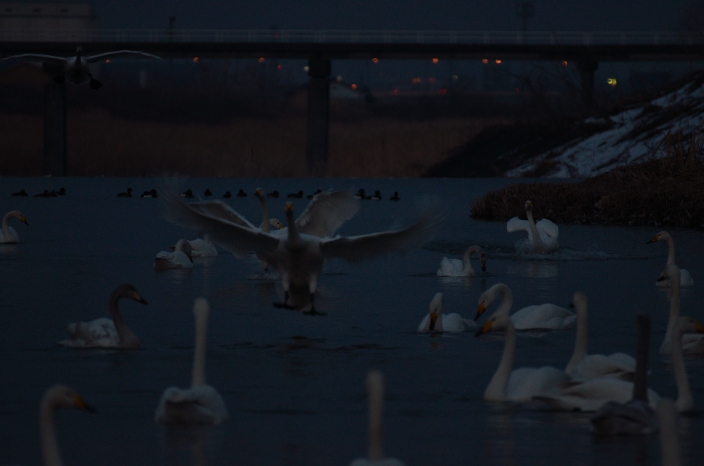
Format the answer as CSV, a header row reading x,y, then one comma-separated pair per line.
x,y
661,191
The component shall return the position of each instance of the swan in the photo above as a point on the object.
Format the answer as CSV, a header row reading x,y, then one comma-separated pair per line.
x,y
461,268
685,278
299,256
203,247
691,343
103,332
375,393
542,236
536,317
636,416
200,404
8,234
436,321
57,396
582,366
76,69
179,258
520,385
669,441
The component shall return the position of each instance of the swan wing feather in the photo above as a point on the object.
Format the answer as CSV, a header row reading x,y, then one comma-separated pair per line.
x,y
544,317
547,227
118,53
516,224
326,212
527,382
450,267
218,209
37,56
196,405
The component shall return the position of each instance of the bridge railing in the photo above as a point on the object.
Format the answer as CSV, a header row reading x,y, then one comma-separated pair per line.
x,y
348,36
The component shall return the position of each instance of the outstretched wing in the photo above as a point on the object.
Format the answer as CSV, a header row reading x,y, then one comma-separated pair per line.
x,y
118,53
545,226
358,248
218,209
326,212
37,57
516,224
233,237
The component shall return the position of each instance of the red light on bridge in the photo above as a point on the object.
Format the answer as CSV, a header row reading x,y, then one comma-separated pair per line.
x,y
107,61
195,59
485,60
375,60
435,61
279,67
442,91
261,59
353,86
564,63
498,62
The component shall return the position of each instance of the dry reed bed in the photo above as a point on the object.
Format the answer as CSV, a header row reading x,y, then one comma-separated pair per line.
x,y
664,191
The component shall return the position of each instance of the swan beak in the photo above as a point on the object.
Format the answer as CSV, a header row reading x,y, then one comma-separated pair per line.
x,y
433,320
80,403
485,328
653,239
661,278
289,207
137,297
279,225
23,220
480,311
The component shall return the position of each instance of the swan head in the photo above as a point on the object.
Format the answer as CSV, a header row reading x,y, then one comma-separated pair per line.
x,y
127,290
185,247
61,396
529,206
435,310
579,300
495,323
660,236
259,192
289,207
276,223
688,325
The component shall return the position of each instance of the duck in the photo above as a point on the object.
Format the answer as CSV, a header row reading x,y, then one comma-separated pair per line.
x,y
56,397
317,191
188,194
227,195
241,193
179,258
361,194
436,321
462,268
274,194
395,197
47,193
691,343
127,193
207,192
523,384
375,395
583,366
104,332
201,404
299,256
298,195
546,316
542,236
150,194
20,193
686,279
76,68
636,417
8,234
61,192
376,196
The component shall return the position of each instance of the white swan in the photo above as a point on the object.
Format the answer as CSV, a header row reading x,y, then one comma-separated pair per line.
x,y
436,321
536,317
200,404
582,366
684,326
542,236
520,385
685,278
58,396
179,258
461,268
691,343
203,247
299,257
375,392
8,234
635,417
76,69
669,438
104,332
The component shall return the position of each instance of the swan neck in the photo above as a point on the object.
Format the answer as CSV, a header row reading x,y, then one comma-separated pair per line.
x,y
684,402
5,220
580,344
292,232
198,378
506,301
265,215
122,330
376,402
50,445
670,251
466,262
674,307
496,390
669,441
640,382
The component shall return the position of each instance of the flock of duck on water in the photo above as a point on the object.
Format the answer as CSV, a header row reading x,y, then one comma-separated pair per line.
x,y
613,386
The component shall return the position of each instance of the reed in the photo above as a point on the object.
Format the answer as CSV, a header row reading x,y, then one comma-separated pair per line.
x,y
664,190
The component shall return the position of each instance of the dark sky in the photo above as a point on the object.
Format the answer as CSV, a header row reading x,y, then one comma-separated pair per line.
x,y
557,15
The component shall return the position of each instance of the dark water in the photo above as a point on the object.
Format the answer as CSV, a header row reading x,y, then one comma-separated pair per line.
x,y
294,384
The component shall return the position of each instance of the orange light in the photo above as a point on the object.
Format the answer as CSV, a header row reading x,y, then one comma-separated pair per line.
x,y
498,62
564,63
416,80
485,60
107,61
261,59
353,86
195,59
375,60
435,61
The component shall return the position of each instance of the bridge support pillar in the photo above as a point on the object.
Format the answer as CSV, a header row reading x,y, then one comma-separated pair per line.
x,y
587,68
318,116
54,129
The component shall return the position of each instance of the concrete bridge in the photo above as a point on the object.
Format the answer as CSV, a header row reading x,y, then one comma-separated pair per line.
x,y
586,49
